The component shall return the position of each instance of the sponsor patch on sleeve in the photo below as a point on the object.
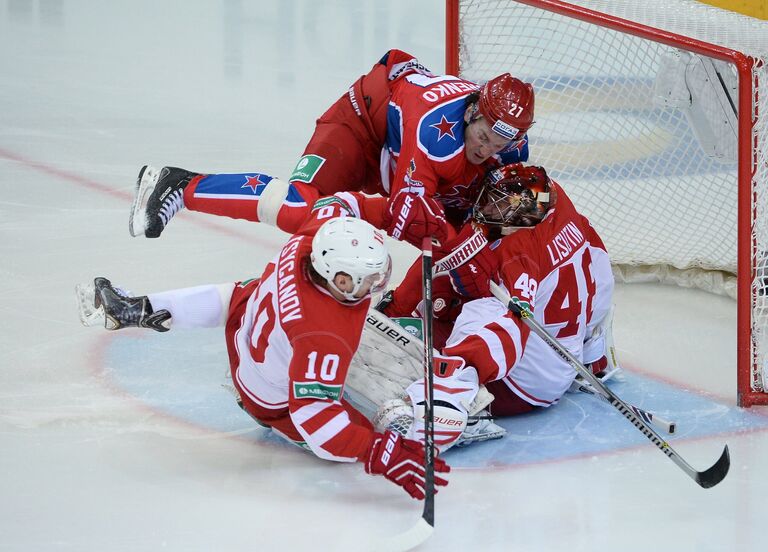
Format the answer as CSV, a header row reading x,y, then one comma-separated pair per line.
x,y
307,168
316,390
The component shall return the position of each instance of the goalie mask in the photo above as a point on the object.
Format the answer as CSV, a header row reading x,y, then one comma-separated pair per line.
x,y
513,196
507,104
355,248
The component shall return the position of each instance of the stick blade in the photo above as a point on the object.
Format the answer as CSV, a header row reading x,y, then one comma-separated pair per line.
x,y
714,475
408,540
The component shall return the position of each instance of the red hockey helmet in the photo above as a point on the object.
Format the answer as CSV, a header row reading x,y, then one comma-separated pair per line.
x,y
513,196
507,104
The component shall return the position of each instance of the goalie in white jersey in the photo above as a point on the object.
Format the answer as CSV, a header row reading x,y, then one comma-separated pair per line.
x,y
291,335
545,253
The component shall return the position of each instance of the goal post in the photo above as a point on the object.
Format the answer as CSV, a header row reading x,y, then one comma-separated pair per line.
x,y
652,117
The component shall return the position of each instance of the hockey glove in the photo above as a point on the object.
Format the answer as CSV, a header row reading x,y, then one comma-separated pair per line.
x,y
402,461
412,217
472,279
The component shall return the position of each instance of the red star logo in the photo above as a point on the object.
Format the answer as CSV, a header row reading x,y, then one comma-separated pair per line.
x,y
459,195
444,128
253,182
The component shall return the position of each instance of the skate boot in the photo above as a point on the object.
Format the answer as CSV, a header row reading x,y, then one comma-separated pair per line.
x,y
159,196
117,309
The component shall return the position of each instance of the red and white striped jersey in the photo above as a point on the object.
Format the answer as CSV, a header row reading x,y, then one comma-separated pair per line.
x,y
561,269
294,345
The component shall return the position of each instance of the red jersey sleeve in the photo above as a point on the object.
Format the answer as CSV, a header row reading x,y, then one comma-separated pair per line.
x,y
347,204
332,429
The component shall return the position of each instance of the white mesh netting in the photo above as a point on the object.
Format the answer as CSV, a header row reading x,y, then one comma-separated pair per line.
x,y
641,134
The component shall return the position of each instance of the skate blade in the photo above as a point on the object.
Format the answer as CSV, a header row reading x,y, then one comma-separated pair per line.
x,y
90,314
145,183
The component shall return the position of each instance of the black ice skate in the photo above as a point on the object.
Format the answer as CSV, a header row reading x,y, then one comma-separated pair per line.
x,y
159,196
120,310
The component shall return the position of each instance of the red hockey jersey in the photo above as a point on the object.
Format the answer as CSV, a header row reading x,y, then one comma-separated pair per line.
x,y
294,345
424,147
561,269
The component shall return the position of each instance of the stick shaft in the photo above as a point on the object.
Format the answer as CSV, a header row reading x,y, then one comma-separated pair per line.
x,y
650,417
429,428
706,479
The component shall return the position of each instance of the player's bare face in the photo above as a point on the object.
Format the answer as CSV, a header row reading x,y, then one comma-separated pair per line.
x,y
345,283
480,142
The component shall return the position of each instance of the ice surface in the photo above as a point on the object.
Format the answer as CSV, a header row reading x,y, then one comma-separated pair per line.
x,y
130,441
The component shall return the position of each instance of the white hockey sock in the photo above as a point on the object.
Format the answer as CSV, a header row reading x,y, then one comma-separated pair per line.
x,y
195,307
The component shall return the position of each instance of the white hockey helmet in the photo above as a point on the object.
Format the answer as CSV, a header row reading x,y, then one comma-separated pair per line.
x,y
353,247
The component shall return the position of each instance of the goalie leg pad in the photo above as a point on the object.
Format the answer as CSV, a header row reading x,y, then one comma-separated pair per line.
x,y
599,354
383,365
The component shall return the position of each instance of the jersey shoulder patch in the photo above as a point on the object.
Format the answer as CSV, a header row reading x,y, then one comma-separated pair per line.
x,y
440,133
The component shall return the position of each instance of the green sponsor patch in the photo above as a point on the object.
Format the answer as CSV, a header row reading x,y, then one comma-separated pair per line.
x,y
307,167
316,390
412,326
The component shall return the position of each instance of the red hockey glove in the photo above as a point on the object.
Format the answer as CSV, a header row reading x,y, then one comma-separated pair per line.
x,y
402,461
446,303
472,277
413,217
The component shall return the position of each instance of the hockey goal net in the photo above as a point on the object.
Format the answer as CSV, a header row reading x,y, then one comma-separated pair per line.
x,y
650,113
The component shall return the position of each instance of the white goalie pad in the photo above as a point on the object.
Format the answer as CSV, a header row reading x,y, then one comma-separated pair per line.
x,y
388,360
600,344
382,368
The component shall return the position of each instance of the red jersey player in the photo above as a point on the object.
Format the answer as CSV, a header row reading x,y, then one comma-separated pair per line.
x,y
291,335
545,253
423,140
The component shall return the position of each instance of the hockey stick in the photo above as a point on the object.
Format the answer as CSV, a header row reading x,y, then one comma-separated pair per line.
x,y
426,524
381,325
649,417
428,514
706,479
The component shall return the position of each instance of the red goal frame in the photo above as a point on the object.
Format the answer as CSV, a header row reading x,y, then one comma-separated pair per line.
x,y
747,155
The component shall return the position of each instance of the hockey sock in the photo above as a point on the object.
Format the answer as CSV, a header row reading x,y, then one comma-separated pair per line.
x,y
195,307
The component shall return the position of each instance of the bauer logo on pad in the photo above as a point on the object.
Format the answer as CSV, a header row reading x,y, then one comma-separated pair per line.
x,y
307,167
